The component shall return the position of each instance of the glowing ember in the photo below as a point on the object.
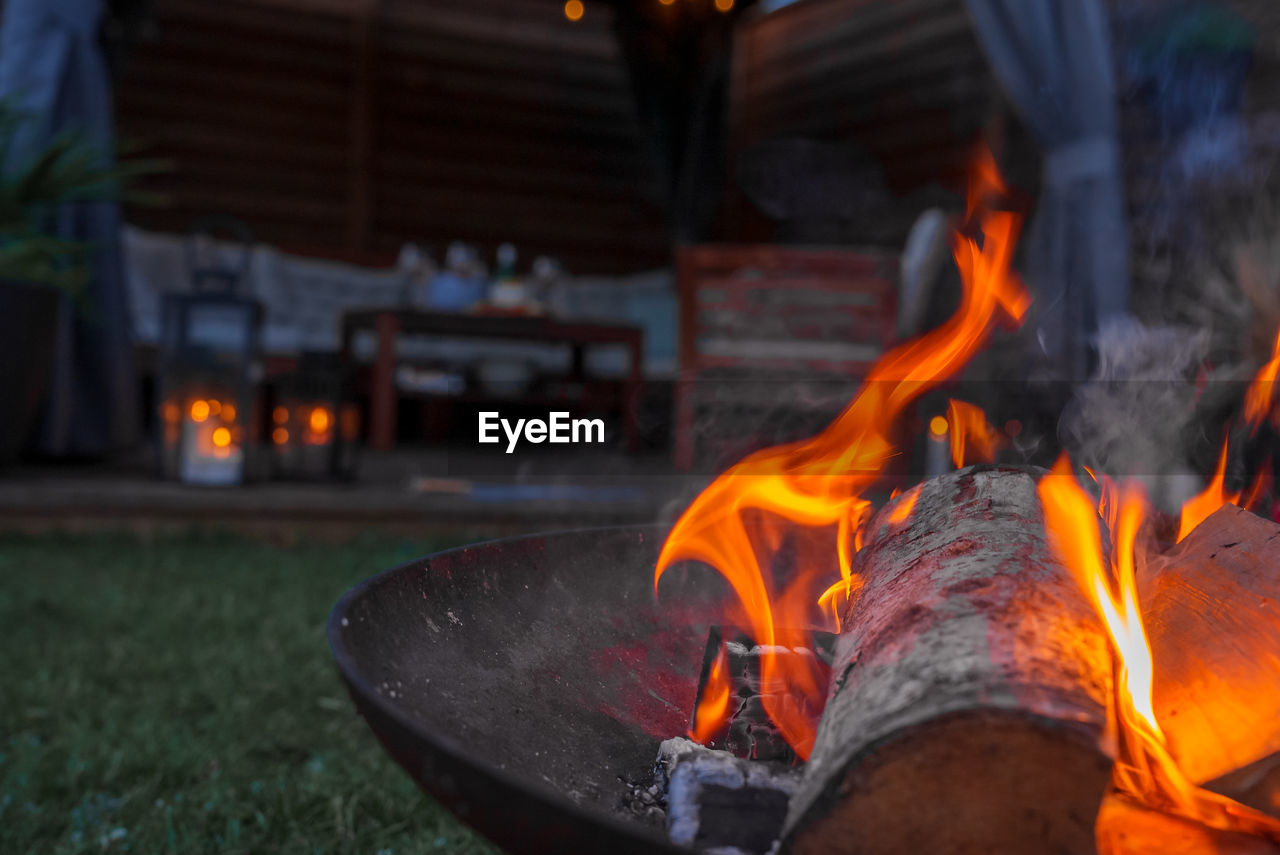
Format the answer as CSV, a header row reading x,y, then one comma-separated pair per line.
x,y
736,524
973,440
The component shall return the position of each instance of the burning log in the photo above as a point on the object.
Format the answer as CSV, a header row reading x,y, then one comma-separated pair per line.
x,y
968,692
1125,828
1212,610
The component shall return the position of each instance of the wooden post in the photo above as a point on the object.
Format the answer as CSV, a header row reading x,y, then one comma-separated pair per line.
x,y
685,444
364,28
383,397
633,393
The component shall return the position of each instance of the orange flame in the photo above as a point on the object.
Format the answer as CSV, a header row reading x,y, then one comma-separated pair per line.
x,y
1260,488
902,511
1200,506
818,482
1144,768
1261,392
972,437
1071,520
714,703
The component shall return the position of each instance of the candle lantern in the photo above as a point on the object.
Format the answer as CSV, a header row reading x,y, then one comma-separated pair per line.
x,y
210,366
314,425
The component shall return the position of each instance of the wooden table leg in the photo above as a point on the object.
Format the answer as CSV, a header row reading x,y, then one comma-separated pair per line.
x,y
683,457
382,392
632,392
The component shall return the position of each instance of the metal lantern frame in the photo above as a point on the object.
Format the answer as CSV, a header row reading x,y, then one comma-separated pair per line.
x,y
314,422
209,371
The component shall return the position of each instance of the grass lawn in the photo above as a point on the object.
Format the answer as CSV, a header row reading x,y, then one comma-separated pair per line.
x,y
178,697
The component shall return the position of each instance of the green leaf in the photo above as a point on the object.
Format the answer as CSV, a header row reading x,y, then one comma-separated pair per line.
x,y
69,168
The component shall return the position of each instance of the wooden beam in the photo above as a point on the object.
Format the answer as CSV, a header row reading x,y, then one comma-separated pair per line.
x,y
352,8
364,35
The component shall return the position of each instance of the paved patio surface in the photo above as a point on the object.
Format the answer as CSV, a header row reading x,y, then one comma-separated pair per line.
x,y
408,491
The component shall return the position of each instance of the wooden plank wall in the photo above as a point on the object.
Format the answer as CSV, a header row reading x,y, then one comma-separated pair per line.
x,y
345,129
250,103
903,79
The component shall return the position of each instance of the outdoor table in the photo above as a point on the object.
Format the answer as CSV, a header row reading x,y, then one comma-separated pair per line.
x,y
389,322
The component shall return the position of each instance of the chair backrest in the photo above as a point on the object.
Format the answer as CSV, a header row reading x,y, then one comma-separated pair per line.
x,y
795,310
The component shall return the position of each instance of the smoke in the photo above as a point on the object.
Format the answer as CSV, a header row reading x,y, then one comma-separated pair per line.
x,y
1135,415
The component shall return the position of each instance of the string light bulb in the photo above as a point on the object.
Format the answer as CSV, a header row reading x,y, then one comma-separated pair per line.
x,y
724,5
573,10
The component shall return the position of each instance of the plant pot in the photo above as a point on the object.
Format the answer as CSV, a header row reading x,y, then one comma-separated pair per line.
x,y
28,326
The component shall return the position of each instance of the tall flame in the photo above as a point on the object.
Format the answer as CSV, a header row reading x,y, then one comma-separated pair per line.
x,y
973,439
818,483
1144,768
1200,506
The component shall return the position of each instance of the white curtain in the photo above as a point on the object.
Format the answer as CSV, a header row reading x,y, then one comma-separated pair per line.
x,y
1053,61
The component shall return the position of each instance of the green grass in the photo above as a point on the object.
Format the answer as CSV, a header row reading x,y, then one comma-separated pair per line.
x,y
178,697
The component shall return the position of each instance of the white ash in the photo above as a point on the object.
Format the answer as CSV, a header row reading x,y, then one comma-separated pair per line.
x,y
722,804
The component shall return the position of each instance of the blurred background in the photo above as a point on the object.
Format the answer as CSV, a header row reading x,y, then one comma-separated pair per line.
x,y
263,263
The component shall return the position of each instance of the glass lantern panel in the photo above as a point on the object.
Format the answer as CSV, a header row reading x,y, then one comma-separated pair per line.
x,y
220,327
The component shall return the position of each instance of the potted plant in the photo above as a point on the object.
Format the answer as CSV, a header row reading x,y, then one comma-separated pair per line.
x,y
37,268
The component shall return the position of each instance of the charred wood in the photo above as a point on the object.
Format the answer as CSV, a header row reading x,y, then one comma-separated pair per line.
x,y
748,732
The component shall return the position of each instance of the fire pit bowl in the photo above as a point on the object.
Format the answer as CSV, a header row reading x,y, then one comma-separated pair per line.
x,y
519,681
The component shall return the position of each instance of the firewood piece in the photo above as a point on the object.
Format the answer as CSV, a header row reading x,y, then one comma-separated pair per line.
x,y
748,731
719,802
1256,785
967,698
1211,606
1126,828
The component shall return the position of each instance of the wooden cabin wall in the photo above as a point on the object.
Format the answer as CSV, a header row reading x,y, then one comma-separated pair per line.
x,y
345,129
904,80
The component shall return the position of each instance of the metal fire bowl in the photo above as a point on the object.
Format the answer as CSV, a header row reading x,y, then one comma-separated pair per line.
x,y
518,681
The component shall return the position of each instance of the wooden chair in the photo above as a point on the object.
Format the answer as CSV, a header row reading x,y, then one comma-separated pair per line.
x,y
769,327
